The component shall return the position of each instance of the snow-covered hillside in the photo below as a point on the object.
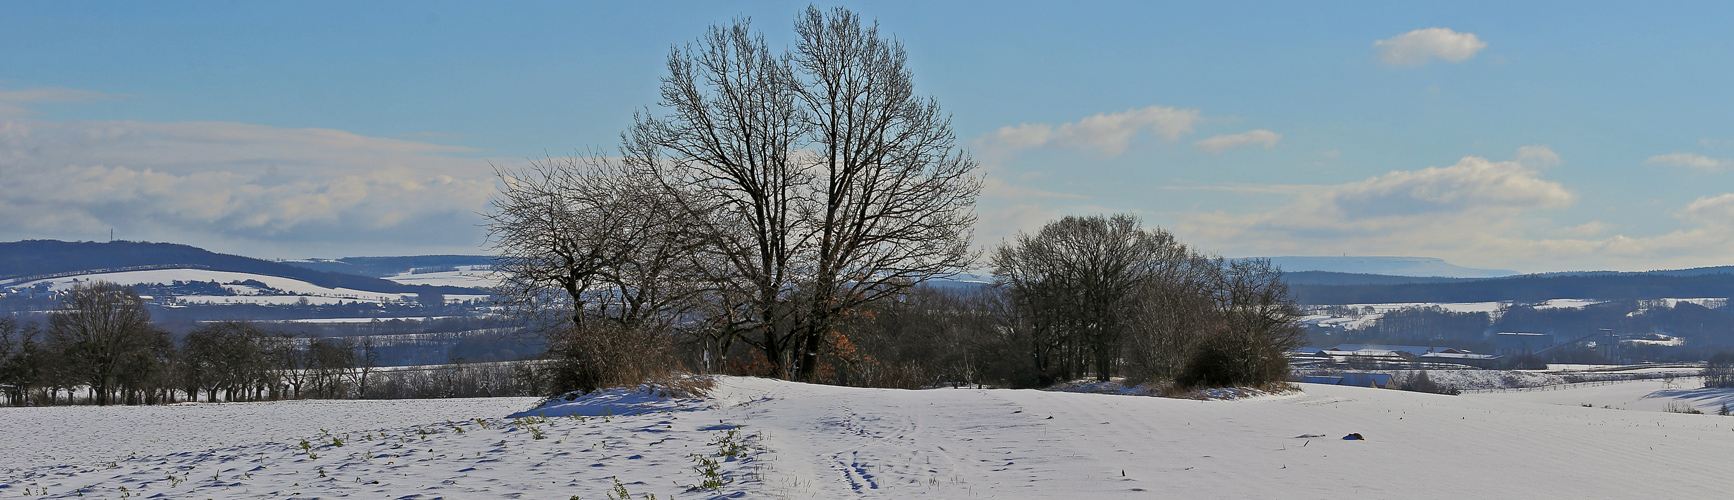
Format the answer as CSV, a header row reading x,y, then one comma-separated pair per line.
x,y
464,276
793,440
1356,316
238,288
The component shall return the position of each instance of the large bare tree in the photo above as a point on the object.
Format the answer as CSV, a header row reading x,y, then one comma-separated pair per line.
x,y
729,145
894,195
820,179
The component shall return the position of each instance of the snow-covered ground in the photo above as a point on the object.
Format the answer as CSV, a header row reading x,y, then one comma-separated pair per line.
x,y
793,440
1640,395
82,435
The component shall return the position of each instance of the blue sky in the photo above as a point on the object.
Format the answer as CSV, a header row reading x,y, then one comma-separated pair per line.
x,y
1537,136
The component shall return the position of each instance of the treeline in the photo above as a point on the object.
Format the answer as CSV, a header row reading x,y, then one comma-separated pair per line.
x,y
100,346
1085,297
1095,297
1631,286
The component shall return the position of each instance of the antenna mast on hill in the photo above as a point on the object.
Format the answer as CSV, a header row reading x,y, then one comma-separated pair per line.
x,y
111,235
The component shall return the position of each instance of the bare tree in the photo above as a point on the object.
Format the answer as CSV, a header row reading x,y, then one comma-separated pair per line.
x,y
593,235
1081,279
289,360
894,196
609,244
729,146
1719,370
820,180
1258,327
97,325
329,361
224,356
366,361
1171,317
18,370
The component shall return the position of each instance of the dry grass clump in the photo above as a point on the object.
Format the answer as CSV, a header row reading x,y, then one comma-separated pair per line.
x,y
681,386
1264,389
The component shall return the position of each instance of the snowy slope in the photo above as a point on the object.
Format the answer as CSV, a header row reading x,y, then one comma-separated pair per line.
x,y
808,441
282,290
80,435
464,276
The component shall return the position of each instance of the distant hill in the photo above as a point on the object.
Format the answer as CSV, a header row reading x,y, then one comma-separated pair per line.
x,y
380,267
43,258
1387,266
1330,278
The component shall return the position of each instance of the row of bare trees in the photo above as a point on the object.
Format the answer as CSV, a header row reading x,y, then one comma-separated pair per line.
x,y
100,341
780,191
783,201
1102,296
1084,297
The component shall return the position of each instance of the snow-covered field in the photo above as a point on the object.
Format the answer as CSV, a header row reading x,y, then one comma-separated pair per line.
x,y
805,441
468,276
281,291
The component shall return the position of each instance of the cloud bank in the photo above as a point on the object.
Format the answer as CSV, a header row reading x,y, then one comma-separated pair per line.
x,y
13,102
1476,212
237,186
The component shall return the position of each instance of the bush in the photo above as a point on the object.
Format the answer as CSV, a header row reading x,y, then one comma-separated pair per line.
x,y
604,354
1226,361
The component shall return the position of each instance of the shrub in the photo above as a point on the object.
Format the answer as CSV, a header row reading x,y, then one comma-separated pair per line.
x,y
1227,361
1420,382
604,354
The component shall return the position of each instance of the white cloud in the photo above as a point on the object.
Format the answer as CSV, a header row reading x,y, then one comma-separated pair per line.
x,y
1475,212
1712,210
1473,183
12,102
1538,156
1218,144
1690,160
1454,211
261,186
1422,46
1107,133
